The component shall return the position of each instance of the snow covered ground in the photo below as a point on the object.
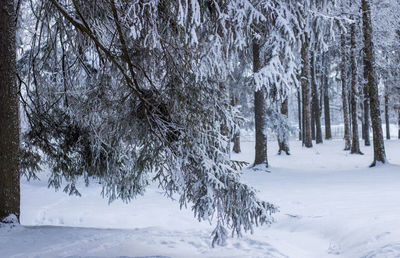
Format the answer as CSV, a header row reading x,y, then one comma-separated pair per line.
x,y
331,205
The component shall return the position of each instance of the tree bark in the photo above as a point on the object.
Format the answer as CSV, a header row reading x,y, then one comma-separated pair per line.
x,y
345,94
327,113
355,143
306,94
283,142
9,114
299,114
236,133
387,122
367,141
259,110
369,73
315,102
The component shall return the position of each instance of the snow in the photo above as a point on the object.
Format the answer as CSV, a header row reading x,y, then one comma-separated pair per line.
x,y
331,205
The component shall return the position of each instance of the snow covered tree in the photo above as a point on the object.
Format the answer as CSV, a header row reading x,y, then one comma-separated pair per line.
x,y
132,91
9,116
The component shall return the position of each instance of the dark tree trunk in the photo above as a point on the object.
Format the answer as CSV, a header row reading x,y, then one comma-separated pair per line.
x,y
363,120
9,116
259,109
387,122
236,133
306,94
312,117
355,145
367,141
369,72
299,114
283,141
345,103
315,102
327,112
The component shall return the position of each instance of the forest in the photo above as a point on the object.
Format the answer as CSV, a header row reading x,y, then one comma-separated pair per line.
x,y
211,103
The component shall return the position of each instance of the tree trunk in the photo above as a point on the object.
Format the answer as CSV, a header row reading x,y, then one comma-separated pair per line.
x,y
344,94
327,113
259,109
9,116
369,72
283,141
315,102
387,122
299,114
306,93
355,145
312,116
367,141
398,125
236,133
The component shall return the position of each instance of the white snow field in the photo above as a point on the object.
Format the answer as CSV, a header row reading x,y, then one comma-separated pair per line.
x,y
331,205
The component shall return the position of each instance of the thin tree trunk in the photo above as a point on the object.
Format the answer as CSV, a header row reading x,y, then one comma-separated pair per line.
x,y
312,116
355,145
345,94
259,109
363,119
315,102
299,113
367,141
327,112
306,93
9,116
369,61
398,125
387,122
236,133
283,141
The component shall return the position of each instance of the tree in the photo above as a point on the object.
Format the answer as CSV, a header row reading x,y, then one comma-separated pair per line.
x,y
259,113
118,101
355,144
283,139
370,76
325,83
315,100
9,115
345,100
306,93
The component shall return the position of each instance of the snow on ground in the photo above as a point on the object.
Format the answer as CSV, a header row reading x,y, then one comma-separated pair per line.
x,y
331,205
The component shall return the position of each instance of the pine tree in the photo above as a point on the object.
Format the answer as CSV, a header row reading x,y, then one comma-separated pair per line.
x,y
142,103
